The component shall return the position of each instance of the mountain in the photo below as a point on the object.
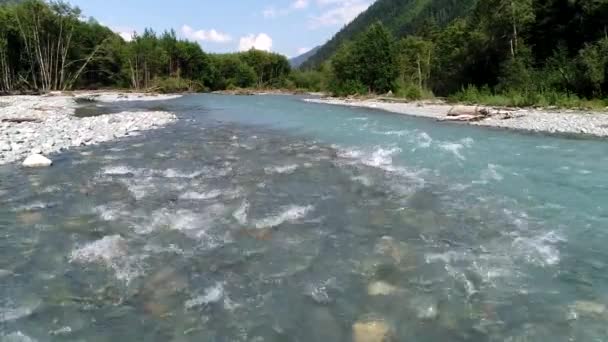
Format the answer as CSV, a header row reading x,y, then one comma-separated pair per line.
x,y
401,17
299,60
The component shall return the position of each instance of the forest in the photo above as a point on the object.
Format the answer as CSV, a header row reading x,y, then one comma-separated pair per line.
x,y
499,52
502,52
47,46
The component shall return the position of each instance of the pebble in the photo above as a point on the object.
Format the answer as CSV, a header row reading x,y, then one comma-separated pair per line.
x,y
57,129
37,160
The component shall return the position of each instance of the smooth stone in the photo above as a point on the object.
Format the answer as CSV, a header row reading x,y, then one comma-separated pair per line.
x,y
5,146
36,151
37,160
588,308
371,331
381,288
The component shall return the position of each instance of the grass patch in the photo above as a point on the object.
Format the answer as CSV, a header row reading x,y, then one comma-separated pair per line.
x,y
484,96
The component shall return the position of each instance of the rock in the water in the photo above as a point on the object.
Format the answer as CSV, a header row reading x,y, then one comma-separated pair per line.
x,y
381,288
37,160
588,308
371,331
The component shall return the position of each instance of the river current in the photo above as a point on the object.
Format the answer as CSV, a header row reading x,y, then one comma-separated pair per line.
x,y
266,218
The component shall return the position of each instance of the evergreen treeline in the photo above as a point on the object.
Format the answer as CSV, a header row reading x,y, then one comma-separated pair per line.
x,y
46,46
512,52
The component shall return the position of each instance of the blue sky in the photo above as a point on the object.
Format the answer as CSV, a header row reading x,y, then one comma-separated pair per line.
x,y
289,27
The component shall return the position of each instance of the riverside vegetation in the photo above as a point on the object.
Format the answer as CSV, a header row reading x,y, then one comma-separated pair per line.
x,y
47,46
496,52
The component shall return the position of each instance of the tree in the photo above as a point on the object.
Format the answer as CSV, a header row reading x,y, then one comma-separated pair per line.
x,y
369,61
414,58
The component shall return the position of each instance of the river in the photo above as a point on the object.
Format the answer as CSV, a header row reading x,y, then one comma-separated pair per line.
x,y
266,218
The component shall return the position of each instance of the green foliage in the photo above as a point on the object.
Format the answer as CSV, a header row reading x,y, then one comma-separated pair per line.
x,y
514,98
45,46
176,85
311,80
399,17
368,63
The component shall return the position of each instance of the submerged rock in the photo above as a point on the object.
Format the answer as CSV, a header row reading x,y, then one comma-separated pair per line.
x,y
381,288
372,330
588,308
426,308
37,160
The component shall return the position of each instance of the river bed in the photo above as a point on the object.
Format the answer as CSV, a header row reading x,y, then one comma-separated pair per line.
x,y
266,218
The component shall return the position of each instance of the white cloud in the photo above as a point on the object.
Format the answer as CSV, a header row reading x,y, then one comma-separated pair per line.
x,y
300,4
340,12
270,12
126,33
302,51
261,41
297,5
126,36
205,35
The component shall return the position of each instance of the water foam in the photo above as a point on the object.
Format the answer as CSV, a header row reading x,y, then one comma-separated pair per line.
x,y
288,214
193,195
540,249
286,169
490,174
17,336
424,140
11,314
240,215
110,251
456,147
380,158
173,173
119,170
212,295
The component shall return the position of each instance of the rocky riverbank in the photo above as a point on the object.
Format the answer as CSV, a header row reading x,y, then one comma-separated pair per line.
x,y
46,124
533,120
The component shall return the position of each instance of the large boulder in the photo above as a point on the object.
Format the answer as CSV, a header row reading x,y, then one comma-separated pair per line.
x,y
37,160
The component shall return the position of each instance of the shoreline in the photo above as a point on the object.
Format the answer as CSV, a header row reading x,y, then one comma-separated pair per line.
x,y
567,122
46,124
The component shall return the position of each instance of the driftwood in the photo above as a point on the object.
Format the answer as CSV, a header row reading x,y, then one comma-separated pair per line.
x,y
475,113
464,118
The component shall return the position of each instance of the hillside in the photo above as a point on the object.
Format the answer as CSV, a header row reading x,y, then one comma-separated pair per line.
x,y
301,59
401,17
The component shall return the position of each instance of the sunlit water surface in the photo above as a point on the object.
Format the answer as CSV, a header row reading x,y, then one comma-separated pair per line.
x,y
269,219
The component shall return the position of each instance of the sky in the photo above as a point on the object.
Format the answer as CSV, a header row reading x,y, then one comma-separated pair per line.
x,y
289,27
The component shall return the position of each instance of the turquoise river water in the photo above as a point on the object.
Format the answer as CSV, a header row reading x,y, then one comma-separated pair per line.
x,y
266,218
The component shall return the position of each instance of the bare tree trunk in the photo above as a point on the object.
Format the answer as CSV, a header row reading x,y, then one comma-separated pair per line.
x,y
514,22
82,67
419,72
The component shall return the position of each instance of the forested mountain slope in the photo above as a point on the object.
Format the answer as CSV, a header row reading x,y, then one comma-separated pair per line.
x,y
400,17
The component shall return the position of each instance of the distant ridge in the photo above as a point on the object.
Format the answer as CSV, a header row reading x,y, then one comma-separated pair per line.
x,y
296,62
